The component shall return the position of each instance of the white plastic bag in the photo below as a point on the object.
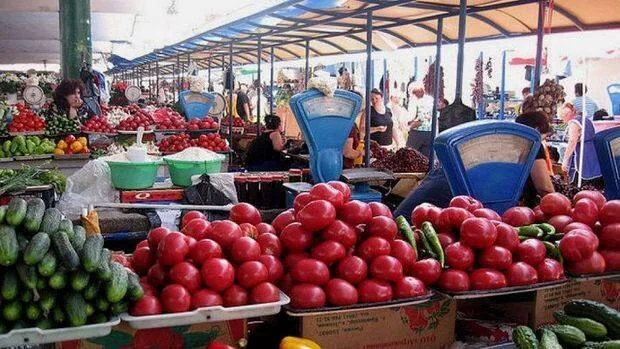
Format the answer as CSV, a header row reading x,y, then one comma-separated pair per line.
x,y
91,184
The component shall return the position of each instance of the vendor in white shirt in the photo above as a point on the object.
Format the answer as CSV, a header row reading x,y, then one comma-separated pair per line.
x,y
401,118
421,110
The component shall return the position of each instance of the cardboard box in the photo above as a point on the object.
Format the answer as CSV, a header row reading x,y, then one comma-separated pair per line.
x,y
428,325
186,337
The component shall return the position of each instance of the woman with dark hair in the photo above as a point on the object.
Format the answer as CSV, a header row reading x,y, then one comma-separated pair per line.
x,y
68,100
265,152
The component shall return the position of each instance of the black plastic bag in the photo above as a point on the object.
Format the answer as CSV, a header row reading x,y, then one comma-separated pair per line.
x,y
455,114
205,193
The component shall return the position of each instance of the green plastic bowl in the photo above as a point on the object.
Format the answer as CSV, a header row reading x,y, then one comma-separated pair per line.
x,y
181,171
133,175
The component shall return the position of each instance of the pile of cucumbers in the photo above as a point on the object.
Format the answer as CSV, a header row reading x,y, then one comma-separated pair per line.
x,y
582,324
53,275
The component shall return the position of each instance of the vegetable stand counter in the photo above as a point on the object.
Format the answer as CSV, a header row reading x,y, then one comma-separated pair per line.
x,y
68,166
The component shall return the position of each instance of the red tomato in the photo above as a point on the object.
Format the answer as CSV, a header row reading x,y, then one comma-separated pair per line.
x,y
155,237
559,222
235,296
249,230
585,211
324,191
206,298
594,264
269,244
404,252
386,268
295,238
282,220
610,237
286,283
245,213
196,228
453,280
409,287
265,292
451,219
610,213
310,271
373,247
521,274
264,228
382,227
343,188
519,216
175,299
495,257
329,252
172,249
487,279
355,212
446,239
317,215
576,226
186,275
532,252
224,233
549,270
593,195
204,249
374,291
148,288
306,296
292,258
217,274
275,269
488,214
251,273
157,275
612,260
352,269
340,293
459,256
507,237
466,202
426,270
478,233
147,305
379,209
301,200
245,249
192,215
341,232
578,245
143,243
425,213
539,216
555,204
141,260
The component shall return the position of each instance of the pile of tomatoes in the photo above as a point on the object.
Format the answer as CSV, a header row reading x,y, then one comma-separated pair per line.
x,y
137,120
98,124
179,142
168,119
340,252
26,120
207,123
229,263
591,227
237,122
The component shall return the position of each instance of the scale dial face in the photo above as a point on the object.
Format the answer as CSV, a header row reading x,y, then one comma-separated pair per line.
x,y
133,93
218,105
484,149
33,95
328,106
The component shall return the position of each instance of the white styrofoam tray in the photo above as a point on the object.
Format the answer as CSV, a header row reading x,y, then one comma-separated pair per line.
x,y
35,335
208,314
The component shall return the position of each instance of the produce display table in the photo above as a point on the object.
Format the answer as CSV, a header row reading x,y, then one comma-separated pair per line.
x,y
67,166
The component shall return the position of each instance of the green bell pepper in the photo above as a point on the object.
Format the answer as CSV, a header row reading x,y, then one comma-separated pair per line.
x,y
30,146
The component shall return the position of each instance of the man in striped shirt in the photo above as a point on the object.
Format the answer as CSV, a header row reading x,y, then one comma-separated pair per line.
x,y
591,106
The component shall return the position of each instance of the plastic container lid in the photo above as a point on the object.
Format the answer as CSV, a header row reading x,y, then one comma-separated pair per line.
x,y
267,178
253,179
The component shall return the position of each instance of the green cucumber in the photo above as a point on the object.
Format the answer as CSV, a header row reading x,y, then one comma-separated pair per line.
x,y
41,283
134,289
51,221
37,248
524,338
33,312
548,340
34,215
45,324
3,210
91,252
59,316
98,318
77,239
116,289
10,285
103,271
102,304
119,308
90,310
66,226
91,291
26,296
598,312
75,308
47,265
47,301
16,212
12,311
58,280
569,336
591,328
9,248
22,242
602,345
29,277
79,280
65,252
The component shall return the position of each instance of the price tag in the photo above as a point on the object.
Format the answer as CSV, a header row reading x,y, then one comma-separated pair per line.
x,y
484,149
328,106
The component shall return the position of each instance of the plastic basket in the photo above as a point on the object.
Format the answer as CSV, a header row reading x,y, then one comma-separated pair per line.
x,y
181,171
133,175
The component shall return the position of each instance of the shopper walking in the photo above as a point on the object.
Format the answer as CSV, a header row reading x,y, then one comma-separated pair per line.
x,y
381,122
580,99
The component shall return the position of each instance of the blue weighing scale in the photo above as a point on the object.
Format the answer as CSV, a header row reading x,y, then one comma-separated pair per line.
x,y
488,160
607,144
326,123
196,104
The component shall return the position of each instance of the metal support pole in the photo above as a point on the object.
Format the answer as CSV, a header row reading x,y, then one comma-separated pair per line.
x,y
415,67
502,89
480,110
178,76
540,34
271,83
372,73
260,85
368,88
75,37
385,82
437,81
460,58
307,63
230,96
157,81
209,72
